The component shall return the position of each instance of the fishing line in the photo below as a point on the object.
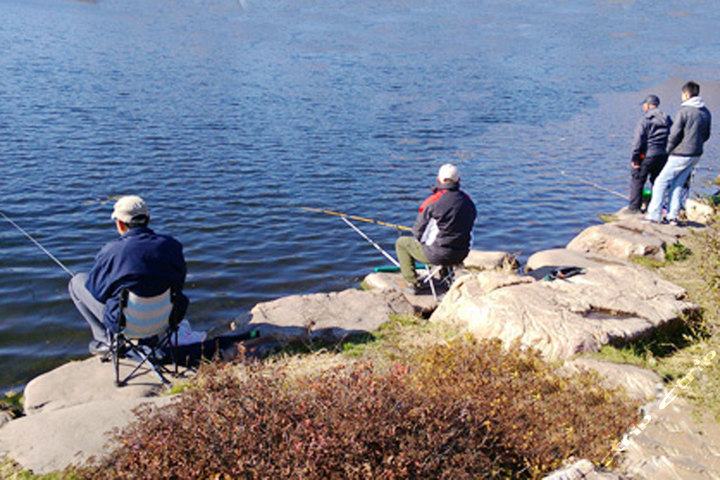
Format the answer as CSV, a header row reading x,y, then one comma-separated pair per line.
x,y
67,270
592,184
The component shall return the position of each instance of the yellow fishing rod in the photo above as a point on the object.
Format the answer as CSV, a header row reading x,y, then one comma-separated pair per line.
x,y
359,219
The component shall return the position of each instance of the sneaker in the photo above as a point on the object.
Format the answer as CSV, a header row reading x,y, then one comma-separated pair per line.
x,y
674,222
98,348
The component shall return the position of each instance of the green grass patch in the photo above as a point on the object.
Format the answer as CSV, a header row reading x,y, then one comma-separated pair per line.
x,y
655,350
13,403
9,470
677,252
647,262
607,217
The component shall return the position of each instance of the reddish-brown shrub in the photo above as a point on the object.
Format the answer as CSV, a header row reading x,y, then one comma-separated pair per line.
x,y
465,410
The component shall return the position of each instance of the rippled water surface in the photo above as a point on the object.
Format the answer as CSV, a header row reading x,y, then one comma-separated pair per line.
x,y
227,115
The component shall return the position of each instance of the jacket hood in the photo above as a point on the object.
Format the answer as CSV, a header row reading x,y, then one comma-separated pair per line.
x,y
696,102
657,116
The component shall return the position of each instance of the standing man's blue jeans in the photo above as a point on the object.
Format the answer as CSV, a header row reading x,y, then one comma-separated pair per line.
x,y
89,307
672,178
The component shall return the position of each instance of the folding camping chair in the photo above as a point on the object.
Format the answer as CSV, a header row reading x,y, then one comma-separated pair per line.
x,y
146,327
447,277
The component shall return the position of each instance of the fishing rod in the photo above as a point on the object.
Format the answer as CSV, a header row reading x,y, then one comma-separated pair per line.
x,y
359,219
587,182
67,270
362,234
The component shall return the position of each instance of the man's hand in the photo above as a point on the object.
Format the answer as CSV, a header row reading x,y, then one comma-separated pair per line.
x,y
635,165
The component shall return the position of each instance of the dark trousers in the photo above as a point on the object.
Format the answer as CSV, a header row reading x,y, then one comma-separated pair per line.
x,y
650,168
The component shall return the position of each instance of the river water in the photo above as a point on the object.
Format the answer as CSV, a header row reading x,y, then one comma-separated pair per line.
x,y
228,115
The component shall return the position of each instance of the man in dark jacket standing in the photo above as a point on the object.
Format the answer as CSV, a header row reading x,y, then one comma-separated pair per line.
x,y
442,233
688,133
140,260
648,149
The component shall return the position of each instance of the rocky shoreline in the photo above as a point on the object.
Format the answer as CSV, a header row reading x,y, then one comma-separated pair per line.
x,y
69,410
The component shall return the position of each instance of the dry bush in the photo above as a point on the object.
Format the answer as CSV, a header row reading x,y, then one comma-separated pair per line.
x,y
460,410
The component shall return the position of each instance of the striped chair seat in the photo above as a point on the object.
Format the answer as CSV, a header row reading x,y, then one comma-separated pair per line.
x,y
147,316
144,318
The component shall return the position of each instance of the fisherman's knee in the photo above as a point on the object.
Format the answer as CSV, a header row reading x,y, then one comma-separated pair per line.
x,y
399,243
75,283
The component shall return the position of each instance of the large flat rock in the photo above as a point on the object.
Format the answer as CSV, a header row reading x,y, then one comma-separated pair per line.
x,y
331,316
560,257
630,237
490,260
70,409
671,442
638,383
391,282
623,239
54,439
85,381
611,302
581,470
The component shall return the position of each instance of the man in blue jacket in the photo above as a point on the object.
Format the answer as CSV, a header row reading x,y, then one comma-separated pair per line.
x,y
648,155
442,232
689,132
140,260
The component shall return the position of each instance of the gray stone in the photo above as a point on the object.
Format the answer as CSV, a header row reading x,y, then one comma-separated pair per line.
x,y
393,282
581,470
493,280
85,381
560,257
561,318
698,211
638,383
489,260
70,409
621,240
671,443
330,316
54,439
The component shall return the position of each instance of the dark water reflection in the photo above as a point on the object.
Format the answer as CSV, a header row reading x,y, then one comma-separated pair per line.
x,y
228,115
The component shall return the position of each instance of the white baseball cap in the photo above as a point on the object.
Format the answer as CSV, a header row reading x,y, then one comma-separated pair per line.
x,y
448,173
129,207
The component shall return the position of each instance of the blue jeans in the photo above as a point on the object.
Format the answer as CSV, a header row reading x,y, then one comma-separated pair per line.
x,y
672,178
89,307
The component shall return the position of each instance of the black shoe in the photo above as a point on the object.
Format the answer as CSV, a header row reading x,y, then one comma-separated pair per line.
x,y
98,348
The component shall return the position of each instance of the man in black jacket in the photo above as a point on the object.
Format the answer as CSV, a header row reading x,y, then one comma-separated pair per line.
x,y
442,232
689,132
648,149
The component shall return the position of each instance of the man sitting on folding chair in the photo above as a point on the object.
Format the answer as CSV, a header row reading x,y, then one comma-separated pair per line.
x,y
140,262
442,233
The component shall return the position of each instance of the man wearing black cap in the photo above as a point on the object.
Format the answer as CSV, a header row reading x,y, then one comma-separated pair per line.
x,y
648,149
